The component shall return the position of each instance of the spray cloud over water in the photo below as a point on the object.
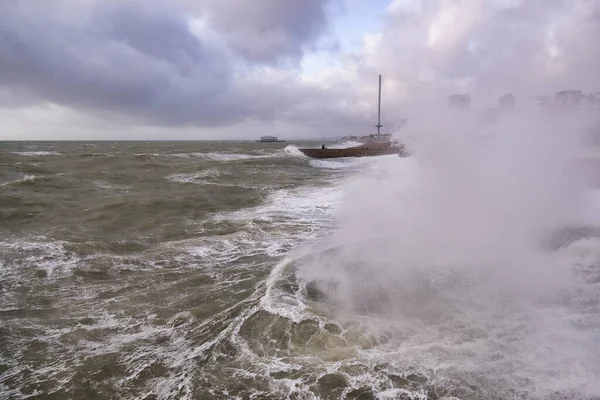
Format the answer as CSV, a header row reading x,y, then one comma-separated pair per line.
x,y
451,241
475,196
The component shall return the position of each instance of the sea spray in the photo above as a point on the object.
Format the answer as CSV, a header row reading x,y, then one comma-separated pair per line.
x,y
293,151
465,199
445,249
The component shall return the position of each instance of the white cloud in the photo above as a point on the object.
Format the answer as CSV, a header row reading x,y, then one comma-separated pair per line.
x,y
429,49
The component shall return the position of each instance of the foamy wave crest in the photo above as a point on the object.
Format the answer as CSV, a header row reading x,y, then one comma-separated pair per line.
x,y
109,186
197,177
280,302
300,210
24,180
178,155
37,153
307,205
226,249
255,231
227,156
294,151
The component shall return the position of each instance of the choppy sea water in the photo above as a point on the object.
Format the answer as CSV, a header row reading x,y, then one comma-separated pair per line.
x,y
199,270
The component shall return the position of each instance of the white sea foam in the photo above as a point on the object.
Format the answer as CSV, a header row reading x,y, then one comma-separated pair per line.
x,y
57,259
37,153
225,249
304,205
286,219
49,256
198,177
110,186
24,179
279,302
230,156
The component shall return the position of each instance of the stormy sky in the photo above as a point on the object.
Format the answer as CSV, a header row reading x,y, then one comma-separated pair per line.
x,y
222,69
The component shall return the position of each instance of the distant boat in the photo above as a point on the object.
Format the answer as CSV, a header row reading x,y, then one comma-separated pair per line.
x,y
270,139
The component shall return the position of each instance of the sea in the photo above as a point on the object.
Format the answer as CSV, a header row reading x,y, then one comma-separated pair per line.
x,y
244,270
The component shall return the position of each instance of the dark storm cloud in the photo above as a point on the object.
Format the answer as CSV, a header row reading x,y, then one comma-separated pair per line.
x,y
141,60
269,30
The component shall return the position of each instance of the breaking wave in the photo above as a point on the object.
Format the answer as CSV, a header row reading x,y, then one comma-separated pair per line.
x,y
27,179
294,151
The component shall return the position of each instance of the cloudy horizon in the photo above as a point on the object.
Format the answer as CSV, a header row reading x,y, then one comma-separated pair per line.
x,y
224,69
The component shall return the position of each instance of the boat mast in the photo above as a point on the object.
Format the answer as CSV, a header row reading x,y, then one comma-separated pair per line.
x,y
378,126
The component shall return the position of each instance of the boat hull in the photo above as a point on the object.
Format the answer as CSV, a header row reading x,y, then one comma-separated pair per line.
x,y
350,152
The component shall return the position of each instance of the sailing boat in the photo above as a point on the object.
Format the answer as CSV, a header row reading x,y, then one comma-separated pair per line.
x,y
376,144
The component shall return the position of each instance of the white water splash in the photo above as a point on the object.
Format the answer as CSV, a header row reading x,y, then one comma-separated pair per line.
x,y
294,151
450,239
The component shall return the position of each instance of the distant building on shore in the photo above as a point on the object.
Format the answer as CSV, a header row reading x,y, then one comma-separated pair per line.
x,y
568,97
507,102
460,101
561,101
